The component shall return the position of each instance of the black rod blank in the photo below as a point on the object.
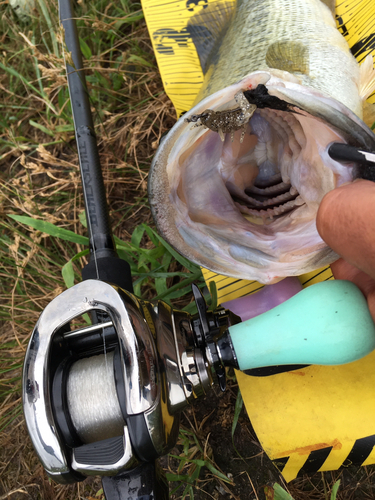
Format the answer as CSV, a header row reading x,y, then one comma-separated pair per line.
x,y
104,263
98,222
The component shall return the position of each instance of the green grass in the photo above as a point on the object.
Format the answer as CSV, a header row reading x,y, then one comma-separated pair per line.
x,y
150,267
43,239
193,458
276,492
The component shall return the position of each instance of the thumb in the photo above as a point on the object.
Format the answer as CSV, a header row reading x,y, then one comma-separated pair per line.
x,y
346,222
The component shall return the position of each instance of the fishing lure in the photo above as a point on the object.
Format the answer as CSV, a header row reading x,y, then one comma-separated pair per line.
x,y
227,121
230,120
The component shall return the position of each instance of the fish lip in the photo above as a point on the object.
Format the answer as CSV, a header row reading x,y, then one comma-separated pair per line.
x,y
158,182
328,109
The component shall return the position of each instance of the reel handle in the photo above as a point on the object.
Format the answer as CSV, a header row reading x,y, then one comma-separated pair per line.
x,y
326,324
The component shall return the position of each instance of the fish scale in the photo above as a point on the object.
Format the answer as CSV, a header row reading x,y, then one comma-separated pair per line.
x,y
257,24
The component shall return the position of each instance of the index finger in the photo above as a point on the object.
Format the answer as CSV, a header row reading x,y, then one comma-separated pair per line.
x,y
346,222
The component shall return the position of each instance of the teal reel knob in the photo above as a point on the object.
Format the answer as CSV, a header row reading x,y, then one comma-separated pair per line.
x,y
326,324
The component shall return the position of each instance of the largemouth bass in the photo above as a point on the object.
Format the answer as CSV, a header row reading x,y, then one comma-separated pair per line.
x,y
237,190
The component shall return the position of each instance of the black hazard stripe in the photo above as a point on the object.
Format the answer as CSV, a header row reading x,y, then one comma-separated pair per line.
x,y
360,451
315,461
358,454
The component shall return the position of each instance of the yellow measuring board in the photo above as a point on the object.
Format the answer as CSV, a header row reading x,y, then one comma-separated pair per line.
x,y
231,288
320,417
178,61
356,21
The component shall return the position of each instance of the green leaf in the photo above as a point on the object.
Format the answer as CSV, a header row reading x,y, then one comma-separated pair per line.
x,y
196,473
129,20
68,274
213,292
167,258
217,473
279,493
51,30
148,257
51,229
41,127
137,235
237,411
176,291
137,59
123,244
335,487
186,446
118,81
101,80
24,80
151,234
161,285
85,49
64,128
82,218
197,461
188,490
184,262
87,318
176,477
157,274
10,70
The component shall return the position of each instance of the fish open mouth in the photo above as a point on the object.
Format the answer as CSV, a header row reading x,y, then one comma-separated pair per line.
x,y
269,197
263,172
244,202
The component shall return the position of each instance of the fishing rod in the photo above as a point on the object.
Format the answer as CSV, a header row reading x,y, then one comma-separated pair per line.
x,y
106,399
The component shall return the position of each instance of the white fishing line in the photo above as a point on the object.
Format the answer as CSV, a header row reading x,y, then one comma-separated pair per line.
x,y
92,399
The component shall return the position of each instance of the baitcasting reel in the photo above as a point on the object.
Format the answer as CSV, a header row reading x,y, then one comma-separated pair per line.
x,y
105,397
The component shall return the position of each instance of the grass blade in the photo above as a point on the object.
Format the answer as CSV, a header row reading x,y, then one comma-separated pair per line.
x,y
51,229
41,127
184,262
237,411
335,488
68,272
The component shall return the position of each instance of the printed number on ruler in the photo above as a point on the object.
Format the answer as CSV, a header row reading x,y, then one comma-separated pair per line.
x,y
178,40
356,22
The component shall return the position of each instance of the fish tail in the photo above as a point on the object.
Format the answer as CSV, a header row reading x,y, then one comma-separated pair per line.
x,y
366,78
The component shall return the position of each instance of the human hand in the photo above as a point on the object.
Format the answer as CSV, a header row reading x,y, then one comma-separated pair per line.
x,y
346,222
